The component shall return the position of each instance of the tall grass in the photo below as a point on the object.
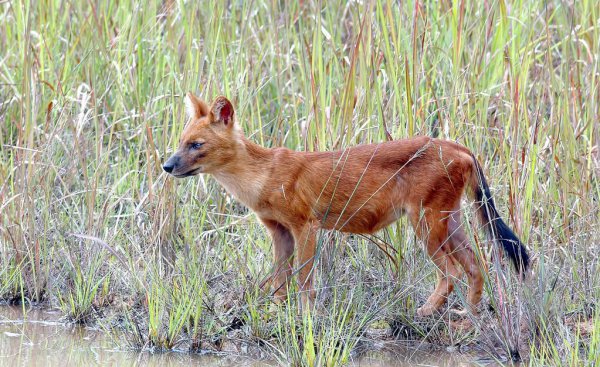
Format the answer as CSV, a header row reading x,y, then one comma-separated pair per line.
x,y
91,102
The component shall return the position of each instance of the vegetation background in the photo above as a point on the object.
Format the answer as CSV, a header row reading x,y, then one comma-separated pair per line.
x,y
91,103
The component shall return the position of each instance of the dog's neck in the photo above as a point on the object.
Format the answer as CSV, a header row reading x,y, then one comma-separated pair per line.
x,y
245,178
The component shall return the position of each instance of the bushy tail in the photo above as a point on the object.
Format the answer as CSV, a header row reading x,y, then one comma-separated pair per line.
x,y
494,225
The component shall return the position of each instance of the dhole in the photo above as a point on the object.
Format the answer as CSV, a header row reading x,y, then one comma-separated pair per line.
x,y
358,190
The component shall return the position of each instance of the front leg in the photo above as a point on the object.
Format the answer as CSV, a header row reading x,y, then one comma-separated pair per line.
x,y
283,256
305,238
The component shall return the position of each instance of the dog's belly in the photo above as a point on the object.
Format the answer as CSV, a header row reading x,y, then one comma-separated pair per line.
x,y
367,219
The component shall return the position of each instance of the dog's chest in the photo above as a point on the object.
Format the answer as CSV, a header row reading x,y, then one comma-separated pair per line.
x,y
246,188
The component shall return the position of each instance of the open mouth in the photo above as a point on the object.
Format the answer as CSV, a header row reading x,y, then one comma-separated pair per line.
x,y
189,173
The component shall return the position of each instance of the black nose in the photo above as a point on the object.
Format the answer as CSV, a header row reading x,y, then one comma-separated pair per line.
x,y
170,164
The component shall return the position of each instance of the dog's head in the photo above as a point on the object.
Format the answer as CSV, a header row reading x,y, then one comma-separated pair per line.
x,y
209,139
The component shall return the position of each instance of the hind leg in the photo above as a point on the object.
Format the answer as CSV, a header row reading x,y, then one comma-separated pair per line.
x,y
434,230
305,237
465,256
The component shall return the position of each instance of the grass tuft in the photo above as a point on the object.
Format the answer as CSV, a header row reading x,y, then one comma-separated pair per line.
x,y
91,103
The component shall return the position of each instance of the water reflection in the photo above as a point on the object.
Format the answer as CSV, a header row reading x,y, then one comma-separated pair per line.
x,y
38,338
402,356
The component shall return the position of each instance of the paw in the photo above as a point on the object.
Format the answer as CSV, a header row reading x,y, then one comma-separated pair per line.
x,y
426,310
280,297
307,301
464,312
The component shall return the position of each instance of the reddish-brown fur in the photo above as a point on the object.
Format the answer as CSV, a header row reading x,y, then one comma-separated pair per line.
x,y
360,190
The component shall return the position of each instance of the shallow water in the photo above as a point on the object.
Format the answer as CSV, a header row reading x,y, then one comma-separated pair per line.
x,y
410,357
38,338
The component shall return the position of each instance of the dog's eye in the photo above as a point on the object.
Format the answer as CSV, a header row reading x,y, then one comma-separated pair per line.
x,y
196,145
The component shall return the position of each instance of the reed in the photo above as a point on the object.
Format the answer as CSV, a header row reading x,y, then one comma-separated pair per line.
x,y
91,103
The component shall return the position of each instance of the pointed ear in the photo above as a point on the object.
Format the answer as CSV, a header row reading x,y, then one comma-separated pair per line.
x,y
195,107
222,111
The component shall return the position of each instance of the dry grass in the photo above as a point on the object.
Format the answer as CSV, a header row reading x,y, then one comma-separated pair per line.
x,y
91,103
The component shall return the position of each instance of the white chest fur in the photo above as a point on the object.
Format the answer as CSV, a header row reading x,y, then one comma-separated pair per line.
x,y
245,186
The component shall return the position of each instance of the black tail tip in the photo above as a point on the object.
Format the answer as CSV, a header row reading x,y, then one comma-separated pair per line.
x,y
513,247
520,258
